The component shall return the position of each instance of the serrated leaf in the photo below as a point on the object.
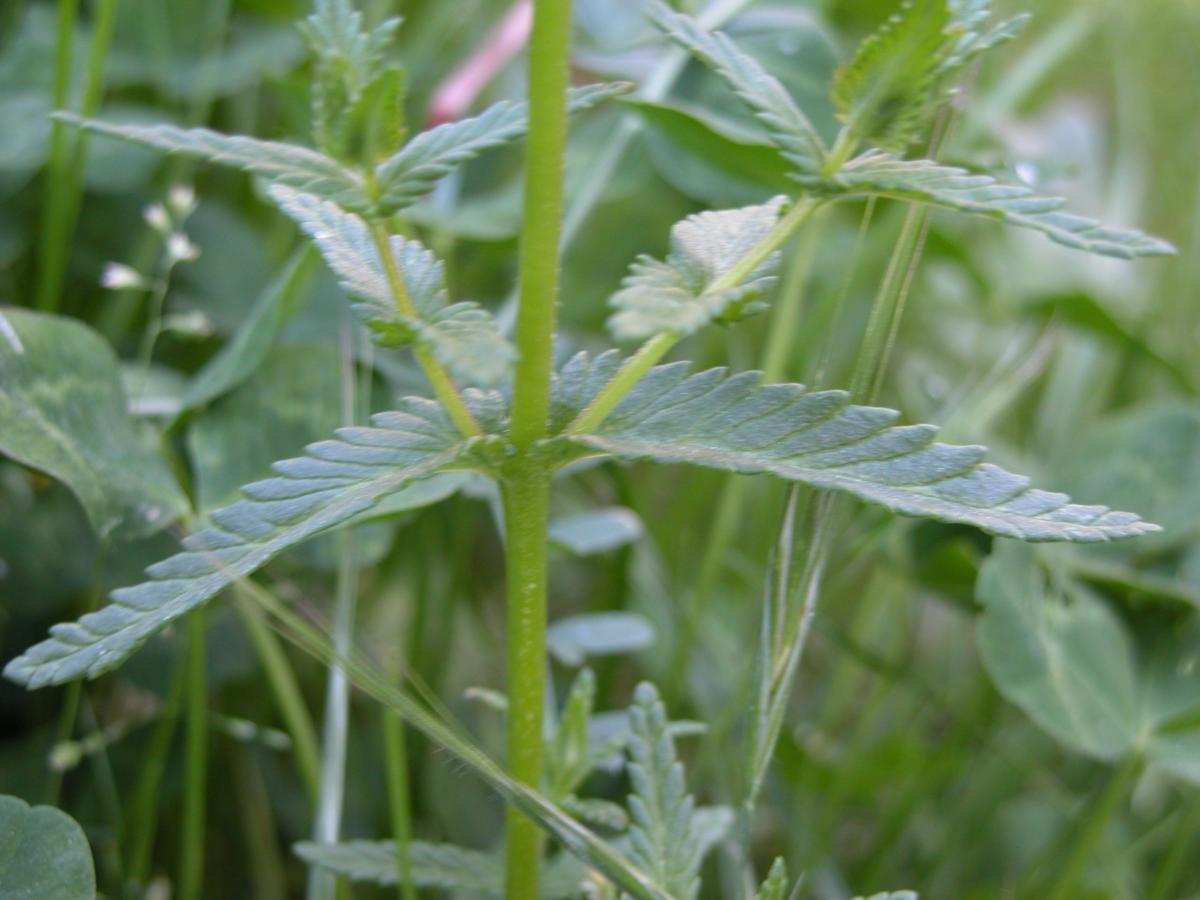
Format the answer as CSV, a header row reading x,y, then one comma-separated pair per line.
x,y
44,854
567,758
674,296
443,866
337,481
64,412
889,91
663,835
950,187
776,885
734,423
433,154
787,126
463,336
287,164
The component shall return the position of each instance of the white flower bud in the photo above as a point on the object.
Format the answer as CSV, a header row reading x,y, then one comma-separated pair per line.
x,y
156,217
181,200
180,248
118,277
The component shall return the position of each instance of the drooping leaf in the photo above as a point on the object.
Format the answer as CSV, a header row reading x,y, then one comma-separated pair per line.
x,y
336,482
463,336
44,854
674,295
287,164
596,530
707,158
1056,650
237,360
899,75
444,866
63,411
950,187
787,126
663,836
776,885
731,422
574,638
432,154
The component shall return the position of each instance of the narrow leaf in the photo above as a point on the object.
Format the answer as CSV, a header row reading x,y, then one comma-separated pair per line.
x,y
776,885
338,480
925,181
787,126
435,153
63,411
573,639
596,530
288,164
463,336
673,295
663,836
732,422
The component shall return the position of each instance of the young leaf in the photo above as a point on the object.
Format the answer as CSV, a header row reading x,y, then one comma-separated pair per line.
x,y
288,164
673,295
433,154
732,422
891,895
463,336
787,126
776,885
663,836
567,759
925,181
573,639
596,530
63,411
43,854
443,866
337,481
900,75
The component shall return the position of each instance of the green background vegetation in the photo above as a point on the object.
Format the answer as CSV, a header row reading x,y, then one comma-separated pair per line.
x,y
901,763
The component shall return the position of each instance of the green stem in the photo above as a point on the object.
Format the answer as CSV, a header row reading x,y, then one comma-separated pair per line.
x,y
439,378
526,517
191,867
656,348
399,799
1095,819
526,487
1166,882
47,293
288,697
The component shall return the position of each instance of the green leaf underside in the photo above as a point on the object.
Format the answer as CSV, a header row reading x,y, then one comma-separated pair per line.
x,y
432,154
900,74
732,422
335,482
463,336
44,854
63,411
673,295
774,107
288,164
444,866
950,187
663,837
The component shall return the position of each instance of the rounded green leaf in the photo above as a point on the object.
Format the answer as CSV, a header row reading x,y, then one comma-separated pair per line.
x,y
44,854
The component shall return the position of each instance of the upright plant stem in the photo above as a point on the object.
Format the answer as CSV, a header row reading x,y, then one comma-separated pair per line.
x,y
526,487
399,799
68,154
191,867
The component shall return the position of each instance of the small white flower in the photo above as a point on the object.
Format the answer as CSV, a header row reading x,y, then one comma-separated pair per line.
x,y
156,217
118,277
180,248
193,324
182,200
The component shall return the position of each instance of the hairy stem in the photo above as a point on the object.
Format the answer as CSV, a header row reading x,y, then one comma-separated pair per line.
x,y
656,348
526,488
439,378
